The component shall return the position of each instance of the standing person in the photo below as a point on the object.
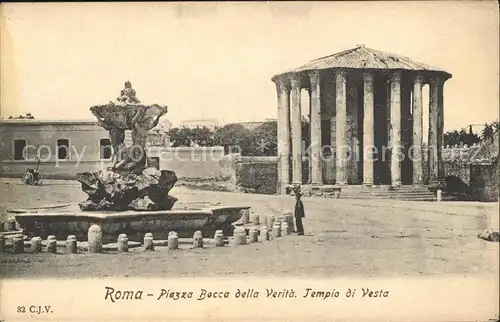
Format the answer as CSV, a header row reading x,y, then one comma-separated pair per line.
x,y
299,212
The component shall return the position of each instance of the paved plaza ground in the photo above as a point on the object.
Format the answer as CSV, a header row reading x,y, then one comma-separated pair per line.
x,y
358,238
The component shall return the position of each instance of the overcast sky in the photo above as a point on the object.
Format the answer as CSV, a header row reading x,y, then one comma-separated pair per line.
x,y
215,60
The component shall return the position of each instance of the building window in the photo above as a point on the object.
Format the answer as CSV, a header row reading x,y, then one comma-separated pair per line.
x,y
19,145
62,149
105,148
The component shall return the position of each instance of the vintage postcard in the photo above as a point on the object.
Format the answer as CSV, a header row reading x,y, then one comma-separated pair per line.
x,y
249,161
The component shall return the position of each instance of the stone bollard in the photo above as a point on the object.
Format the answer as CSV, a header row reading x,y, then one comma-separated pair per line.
x,y
253,235
173,240
2,243
270,221
51,237
278,219
284,229
122,243
18,244
219,238
52,246
36,245
439,195
94,238
263,219
148,241
264,232
71,244
239,236
198,239
255,218
245,218
276,232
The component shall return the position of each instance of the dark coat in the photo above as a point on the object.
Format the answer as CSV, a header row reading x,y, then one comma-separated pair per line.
x,y
299,209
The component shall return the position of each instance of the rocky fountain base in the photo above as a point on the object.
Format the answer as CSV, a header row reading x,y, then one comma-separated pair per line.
x,y
110,190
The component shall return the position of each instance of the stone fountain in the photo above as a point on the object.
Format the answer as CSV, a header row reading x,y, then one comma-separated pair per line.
x,y
128,183
128,197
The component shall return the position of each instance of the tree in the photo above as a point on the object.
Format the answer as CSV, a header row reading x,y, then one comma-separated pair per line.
x,y
184,136
489,131
235,138
180,136
264,139
469,138
451,138
202,136
455,137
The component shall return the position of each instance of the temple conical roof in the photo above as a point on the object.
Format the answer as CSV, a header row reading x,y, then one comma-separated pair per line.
x,y
362,57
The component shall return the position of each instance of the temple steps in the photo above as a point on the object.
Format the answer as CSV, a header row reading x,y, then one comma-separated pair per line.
x,y
399,197
410,193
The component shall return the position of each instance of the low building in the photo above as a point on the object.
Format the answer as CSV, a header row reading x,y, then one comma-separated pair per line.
x,y
252,125
198,123
64,147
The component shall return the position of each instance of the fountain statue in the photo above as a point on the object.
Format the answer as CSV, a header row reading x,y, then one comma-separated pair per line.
x,y
128,183
127,95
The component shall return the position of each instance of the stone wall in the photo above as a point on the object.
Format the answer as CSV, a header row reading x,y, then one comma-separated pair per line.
x,y
460,170
484,181
257,175
205,168
476,166
190,162
260,174
224,179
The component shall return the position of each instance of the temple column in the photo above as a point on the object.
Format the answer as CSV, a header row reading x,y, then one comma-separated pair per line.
x,y
296,130
315,125
331,166
417,131
432,160
440,130
341,127
368,129
309,163
352,133
395,129
283,89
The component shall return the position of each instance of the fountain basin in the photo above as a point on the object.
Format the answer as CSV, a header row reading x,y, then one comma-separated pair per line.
x,y
133,223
